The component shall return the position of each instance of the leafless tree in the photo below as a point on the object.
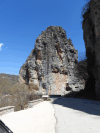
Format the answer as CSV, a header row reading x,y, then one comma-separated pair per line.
x,y
81,56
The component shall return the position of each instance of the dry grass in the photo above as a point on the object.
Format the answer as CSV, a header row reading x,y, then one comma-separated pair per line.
x,y
6,82
48,99
33,87
19,96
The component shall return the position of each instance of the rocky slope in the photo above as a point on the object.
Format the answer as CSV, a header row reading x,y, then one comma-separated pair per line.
x,y
51,64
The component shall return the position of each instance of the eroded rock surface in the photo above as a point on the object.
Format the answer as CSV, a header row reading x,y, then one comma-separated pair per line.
x,y
91,30
51,63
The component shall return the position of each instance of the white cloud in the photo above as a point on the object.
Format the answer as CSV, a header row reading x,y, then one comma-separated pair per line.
x,y
1,45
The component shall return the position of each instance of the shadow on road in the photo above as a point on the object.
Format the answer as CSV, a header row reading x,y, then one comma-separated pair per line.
x,y
76,104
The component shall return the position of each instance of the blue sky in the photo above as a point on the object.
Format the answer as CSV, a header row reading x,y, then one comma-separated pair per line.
x,y
22,21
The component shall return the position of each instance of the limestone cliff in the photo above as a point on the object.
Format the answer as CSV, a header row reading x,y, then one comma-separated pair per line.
x,y
51,63
91,31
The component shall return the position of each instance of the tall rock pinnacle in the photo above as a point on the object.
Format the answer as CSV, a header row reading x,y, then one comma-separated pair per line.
x,y
51,63
91,32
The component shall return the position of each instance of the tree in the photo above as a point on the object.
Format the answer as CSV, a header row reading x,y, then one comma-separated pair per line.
x,y
81,67
85,8
81,56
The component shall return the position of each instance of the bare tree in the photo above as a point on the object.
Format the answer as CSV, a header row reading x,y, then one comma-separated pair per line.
x,y
81,56
81,67
85,8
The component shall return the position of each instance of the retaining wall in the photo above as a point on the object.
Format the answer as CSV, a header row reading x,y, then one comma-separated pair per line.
x,y
8,109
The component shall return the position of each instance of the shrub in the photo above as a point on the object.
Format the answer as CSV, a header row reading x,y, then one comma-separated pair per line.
x,y
48,99
31,87
19,96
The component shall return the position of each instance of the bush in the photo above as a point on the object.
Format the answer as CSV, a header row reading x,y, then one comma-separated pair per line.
x,y
32,96
31,87
48,99
19,96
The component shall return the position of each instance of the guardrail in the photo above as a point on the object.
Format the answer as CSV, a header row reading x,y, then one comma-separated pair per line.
x,y
45,97
32,103
7,109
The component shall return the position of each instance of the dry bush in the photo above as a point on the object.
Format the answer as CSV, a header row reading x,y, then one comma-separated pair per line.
x,y
5,100
31,87
32,96
20,95
48,99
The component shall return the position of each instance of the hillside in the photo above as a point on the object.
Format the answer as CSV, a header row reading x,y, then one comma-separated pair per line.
x,y
12,93
7,81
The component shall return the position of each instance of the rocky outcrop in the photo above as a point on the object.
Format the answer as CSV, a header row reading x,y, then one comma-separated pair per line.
x,y
91,31
51,63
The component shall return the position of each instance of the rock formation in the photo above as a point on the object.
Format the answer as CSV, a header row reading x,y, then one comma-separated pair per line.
x,y
91,31
51,63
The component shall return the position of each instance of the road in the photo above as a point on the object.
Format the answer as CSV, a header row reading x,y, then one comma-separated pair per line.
x,y
61,115
38,119
76,115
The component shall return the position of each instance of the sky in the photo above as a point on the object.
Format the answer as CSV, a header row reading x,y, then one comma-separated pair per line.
x,y
22,21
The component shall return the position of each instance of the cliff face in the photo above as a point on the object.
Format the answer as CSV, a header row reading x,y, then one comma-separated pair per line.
x,y
91,30
51,63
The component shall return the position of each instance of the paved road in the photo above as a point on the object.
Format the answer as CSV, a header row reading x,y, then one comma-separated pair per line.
x,y
39,119
61,115
76,116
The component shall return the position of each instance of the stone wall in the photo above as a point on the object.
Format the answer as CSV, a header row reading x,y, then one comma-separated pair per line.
x,y
7,109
